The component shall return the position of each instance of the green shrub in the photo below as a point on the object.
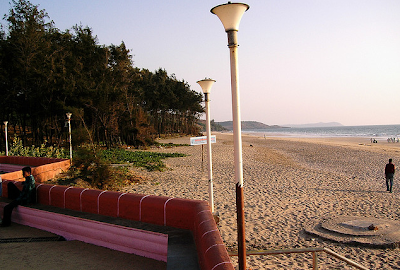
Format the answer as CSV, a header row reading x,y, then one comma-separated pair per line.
x,y
90,166
150,160
17,149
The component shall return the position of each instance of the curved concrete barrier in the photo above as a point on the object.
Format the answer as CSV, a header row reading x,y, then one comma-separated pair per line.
x,y
193,215
130,240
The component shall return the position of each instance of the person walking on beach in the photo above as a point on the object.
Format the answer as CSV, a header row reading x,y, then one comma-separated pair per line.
x,y
389,173
26,196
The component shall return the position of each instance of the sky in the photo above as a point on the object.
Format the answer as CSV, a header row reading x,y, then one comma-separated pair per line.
x,y
300,61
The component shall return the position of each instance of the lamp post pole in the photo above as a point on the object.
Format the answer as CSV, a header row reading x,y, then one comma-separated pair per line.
x,y
69,133
5,127
230,15
206,87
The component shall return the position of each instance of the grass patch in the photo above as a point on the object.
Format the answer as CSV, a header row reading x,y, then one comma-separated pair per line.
x,y
152,161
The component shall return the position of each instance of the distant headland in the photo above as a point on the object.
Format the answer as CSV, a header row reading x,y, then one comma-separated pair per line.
x,y
252,125
247,125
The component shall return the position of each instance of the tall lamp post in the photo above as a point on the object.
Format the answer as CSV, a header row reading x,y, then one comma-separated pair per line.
x,y
206,87
230,15
5,127
69,133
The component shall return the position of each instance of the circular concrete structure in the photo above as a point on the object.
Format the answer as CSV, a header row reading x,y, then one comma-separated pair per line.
x,y
366,231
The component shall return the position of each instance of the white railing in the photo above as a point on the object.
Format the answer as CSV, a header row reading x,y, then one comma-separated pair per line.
x,y
314,252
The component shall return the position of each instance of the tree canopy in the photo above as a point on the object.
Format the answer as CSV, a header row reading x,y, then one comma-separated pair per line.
x,y
46,72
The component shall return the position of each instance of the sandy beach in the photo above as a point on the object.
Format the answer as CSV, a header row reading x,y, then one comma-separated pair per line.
x,y
288,182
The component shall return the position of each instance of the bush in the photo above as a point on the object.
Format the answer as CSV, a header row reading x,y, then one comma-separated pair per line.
x,y
17,149
91,168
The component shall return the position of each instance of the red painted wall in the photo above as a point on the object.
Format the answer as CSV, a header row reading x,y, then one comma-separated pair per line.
x,y
180,213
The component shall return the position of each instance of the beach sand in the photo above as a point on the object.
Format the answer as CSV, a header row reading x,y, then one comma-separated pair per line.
x,y
288,182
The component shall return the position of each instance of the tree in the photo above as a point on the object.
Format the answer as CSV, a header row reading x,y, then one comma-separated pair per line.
x,y
45,72
27,51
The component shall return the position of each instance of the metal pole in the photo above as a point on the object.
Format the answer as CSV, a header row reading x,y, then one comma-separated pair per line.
x,y
315,260
340,257
202,157
5,124
237,135
209,153
69,133
303,250
70,139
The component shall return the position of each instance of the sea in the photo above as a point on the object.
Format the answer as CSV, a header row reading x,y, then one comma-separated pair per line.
x,y
377,132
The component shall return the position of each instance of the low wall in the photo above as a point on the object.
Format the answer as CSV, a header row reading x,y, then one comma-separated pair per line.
x,y
129,240
43,169
193,215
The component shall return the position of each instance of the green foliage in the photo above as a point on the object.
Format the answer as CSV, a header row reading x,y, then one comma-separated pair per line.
x,y
45,72
92,166
17,149
92,169
150,160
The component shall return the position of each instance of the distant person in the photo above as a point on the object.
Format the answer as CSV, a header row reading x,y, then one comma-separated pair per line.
x,y
389,173
26,196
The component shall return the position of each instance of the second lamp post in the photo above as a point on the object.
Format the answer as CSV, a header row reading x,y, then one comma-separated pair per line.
x,y
206,87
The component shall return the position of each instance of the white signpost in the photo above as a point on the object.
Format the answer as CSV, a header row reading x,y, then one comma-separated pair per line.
x,y
202,140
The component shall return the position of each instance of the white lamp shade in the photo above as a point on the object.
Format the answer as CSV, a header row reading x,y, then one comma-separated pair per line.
x,y
69,115
206,85
230,14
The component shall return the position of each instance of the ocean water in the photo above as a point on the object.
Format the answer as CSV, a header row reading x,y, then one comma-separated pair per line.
x,y
379,132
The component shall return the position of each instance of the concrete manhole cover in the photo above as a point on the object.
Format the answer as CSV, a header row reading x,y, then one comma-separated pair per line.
x,y
366,231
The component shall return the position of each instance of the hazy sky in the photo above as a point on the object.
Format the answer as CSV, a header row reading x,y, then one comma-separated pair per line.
x,y
300,61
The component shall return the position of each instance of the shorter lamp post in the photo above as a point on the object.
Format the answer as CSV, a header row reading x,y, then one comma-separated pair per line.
x,y
69,133
5,127
206,87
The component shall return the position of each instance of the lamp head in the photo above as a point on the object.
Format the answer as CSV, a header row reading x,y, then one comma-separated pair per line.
x,y
69,115
230,14
5,123
206,85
